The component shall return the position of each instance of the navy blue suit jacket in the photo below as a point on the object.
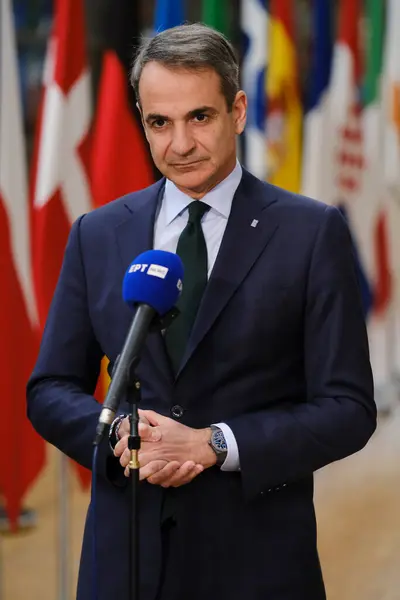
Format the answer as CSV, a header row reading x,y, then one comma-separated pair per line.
x,y
278,351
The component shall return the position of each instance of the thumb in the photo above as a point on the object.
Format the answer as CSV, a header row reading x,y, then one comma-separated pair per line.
x,y
149,416
149,433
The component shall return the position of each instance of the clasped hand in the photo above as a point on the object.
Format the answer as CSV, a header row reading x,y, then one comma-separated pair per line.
x,y
171,454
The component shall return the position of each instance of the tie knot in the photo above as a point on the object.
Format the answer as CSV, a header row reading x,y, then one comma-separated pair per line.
x,y
196,211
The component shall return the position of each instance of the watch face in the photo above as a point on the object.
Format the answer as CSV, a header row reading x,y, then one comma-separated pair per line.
x,y
218,440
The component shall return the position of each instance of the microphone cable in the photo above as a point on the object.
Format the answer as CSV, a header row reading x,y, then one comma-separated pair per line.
x,y
93,504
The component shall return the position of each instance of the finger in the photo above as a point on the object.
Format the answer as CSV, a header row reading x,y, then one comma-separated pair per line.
x,y
125,457
121,446
146,433
151,468
164,474
180,475
127,472
124,428
183,478
151,416
149,433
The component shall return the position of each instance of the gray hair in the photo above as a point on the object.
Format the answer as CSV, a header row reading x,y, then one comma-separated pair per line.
x,y
193,47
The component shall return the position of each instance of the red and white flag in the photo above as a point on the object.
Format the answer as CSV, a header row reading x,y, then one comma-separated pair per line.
x,y
22,451
60,182
391,166
345,140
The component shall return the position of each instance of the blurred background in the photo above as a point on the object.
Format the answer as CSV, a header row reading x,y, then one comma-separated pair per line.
x,y
323,83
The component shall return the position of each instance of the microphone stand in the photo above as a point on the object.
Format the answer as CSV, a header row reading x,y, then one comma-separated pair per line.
x,y
133,387
134,399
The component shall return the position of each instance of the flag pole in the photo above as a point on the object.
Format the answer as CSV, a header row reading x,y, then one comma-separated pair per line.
x,y
63,529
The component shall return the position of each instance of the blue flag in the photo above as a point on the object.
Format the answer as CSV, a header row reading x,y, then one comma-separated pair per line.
x,y
168,13
322,24
316,162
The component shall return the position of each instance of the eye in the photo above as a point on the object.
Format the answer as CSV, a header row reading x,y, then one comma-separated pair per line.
x,y
158,123
201,118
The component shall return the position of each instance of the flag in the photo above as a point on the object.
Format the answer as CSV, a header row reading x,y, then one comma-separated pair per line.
x,y
373,225
315,151
22,450
215,13
60,183
120,157
391,170
255,30
168,13
283,99
392,97
120,161
345,136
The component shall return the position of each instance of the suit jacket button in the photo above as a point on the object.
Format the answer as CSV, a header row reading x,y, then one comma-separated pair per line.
x,y
177,411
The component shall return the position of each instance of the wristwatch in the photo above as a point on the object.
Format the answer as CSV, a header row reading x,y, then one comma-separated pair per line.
x,y
218,444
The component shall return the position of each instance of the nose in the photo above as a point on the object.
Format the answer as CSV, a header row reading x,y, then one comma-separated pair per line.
x,y
182,142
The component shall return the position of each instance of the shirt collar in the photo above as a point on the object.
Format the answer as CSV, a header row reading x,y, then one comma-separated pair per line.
x,y
219,198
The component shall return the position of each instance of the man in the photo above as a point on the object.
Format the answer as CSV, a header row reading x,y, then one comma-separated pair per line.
x,y
275,357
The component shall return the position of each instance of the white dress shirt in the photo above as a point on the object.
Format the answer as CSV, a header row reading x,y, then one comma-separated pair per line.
x,y
171,220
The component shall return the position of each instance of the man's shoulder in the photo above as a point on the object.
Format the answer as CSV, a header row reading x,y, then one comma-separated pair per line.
x,y
292,208
118,210
284,199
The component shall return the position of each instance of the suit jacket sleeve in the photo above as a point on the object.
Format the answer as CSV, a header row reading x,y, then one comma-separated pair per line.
x,y
290,441
60,391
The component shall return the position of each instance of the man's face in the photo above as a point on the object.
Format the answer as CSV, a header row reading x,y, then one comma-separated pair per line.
x,y
192,135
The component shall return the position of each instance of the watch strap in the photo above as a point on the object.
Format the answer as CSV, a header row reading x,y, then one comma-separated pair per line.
x,y
218,444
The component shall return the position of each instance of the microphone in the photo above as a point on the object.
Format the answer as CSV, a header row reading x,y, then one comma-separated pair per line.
x,y
151,286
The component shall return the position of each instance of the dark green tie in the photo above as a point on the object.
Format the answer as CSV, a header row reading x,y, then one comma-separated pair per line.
x,y
192,250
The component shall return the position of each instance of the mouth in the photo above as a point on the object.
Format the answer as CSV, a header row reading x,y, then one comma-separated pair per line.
x,y
186,165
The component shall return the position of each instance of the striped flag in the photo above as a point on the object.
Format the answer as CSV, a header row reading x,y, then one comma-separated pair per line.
x,y
391,171
345,135
315,150
168,13
392,97
284,115
60,183
22,451
216,14
374,217
255,30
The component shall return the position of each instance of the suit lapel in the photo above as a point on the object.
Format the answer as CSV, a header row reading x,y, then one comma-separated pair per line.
x,y
250,228
135,233
134,236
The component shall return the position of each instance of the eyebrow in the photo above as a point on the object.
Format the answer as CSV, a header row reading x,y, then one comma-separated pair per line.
x,y
193,113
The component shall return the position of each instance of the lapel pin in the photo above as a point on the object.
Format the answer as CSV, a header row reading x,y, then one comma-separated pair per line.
x,y
254,223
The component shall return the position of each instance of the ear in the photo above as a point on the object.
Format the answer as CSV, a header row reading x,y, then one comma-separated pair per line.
x,y
239,110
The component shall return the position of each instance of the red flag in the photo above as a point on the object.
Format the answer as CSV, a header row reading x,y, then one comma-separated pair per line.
x,y
120,158
60,182
22,451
